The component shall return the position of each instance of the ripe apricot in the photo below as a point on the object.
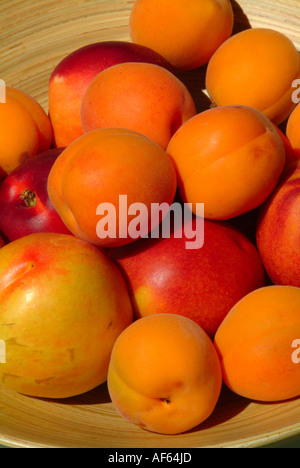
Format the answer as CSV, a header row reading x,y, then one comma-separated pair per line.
x,y
292,130
229,158
97,169
19,135
185,32
143,97
255,344
71,77
38,114
256,68
164,374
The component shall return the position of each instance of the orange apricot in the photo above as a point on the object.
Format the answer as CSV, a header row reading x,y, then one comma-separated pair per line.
x,y
89,177
185,32
229,158
143,97
19,136
38,114
164,374
293,130
256,68
256,341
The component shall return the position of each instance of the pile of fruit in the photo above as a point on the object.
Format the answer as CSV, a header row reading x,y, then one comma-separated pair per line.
x,y
87,295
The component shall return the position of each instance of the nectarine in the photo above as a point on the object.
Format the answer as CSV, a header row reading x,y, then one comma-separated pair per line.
x,y
63,304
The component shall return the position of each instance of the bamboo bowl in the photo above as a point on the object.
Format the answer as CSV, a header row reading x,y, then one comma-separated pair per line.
x,y
34,37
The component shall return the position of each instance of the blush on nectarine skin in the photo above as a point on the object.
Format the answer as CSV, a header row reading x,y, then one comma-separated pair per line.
x,y
71,77
278,231
25,207
185,32
229,158
63,304
97,169
142,97
256,68
203,284
164,374
255,344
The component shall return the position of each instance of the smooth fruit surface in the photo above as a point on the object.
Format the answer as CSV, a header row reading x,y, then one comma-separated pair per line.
x,y
19,135
203,284
99,168
25,207
278,231
256,344
164,374
245,70
63,304
185,32
292,130
72,75
142,97
229,158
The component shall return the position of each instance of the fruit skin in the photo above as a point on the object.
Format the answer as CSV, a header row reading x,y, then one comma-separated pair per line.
x,y
255,344
99,167
291,154
164,374
278,232
16,120
63,304
229,158
35,212
185,32
292,130
142,97
237,74
201,284
71,77
38,114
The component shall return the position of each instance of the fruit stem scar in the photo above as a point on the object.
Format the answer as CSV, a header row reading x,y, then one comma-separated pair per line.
x,y
166,400
28,197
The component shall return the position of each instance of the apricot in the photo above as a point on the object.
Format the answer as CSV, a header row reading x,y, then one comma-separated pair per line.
x,y
143,97
25,129
256,68
229,158
19,135
164,374
292,130
185,32
63,304
99,168
72,75
38,114
278,230
255,344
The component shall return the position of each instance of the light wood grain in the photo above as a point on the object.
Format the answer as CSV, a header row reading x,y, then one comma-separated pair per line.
x,y
34,37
